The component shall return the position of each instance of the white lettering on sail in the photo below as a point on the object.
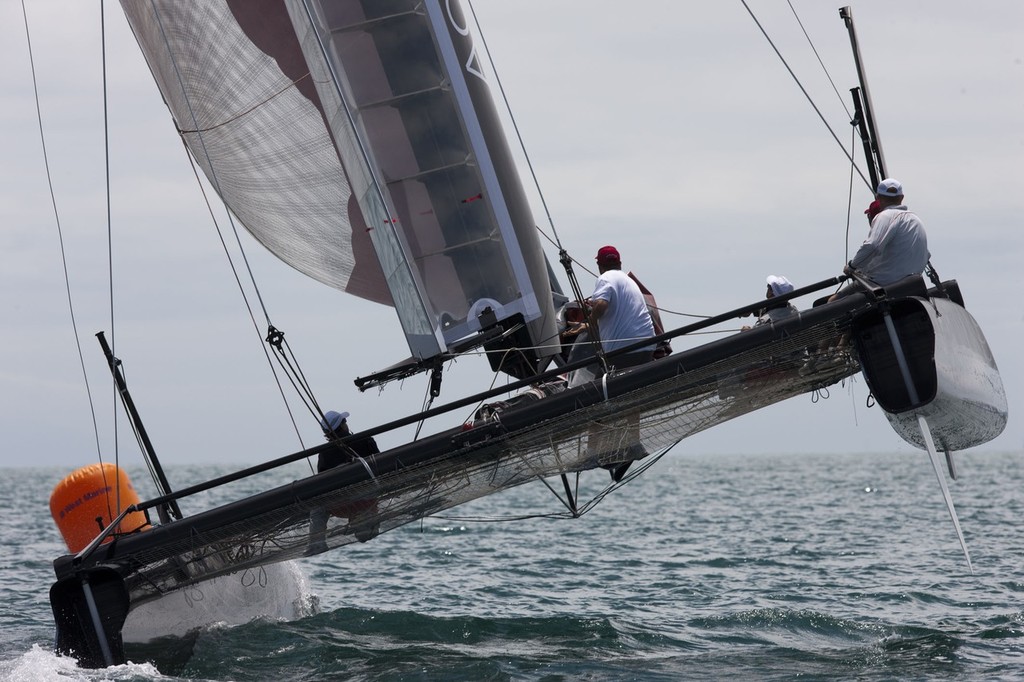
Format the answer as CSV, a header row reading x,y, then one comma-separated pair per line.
x,y
472,64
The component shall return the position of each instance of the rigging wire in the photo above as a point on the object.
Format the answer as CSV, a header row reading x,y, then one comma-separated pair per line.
x,y
110,238
238,281
823,67
60,235
594,274
853,148
555,240
297,379
804,91
563,254
515,125
853,136
849,198
428,400
142,447
585,508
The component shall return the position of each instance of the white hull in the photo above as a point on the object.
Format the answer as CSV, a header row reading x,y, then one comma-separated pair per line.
x,y
276,591
969,407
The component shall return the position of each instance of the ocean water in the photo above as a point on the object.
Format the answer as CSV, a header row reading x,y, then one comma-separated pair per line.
x,y
753,567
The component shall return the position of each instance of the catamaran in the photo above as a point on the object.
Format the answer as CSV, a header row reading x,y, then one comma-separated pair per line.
x,y
361,143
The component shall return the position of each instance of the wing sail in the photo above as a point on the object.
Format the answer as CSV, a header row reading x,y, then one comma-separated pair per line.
x,y
359,142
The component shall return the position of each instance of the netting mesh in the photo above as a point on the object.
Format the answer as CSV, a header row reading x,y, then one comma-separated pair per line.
x,y
592,432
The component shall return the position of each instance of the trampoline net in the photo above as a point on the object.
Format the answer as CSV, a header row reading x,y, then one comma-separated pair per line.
x,y
489,458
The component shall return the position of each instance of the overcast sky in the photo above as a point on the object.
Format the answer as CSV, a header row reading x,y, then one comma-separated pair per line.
x,y
670,130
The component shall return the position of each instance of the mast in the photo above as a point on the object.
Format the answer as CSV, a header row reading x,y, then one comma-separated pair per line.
x,y
863,97
159,478
865,137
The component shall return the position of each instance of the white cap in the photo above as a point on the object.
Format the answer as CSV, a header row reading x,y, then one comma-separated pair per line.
x,y
332,420
890,187
780,285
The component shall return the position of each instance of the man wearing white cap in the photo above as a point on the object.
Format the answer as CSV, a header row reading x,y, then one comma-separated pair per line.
x,y
335,426
896,246
775,311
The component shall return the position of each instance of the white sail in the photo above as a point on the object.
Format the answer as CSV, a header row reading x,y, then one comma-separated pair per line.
x,y
359,142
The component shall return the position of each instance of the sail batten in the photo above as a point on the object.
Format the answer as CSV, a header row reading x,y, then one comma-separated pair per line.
x,y
398,99
367,24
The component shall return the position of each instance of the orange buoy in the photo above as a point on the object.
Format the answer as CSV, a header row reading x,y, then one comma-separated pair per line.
x,y
87,500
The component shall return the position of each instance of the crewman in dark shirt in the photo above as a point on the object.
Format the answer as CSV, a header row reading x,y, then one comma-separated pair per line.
x,y
335,426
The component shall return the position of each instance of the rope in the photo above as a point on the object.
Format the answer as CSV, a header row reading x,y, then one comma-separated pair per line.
x,y
515,126
555,240
241,288
284,352
849,197
60,234
428,401
823,67
110,236
803,90
213,173
585,508
853,135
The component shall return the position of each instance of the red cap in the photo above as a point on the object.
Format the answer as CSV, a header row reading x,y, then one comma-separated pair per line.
x,y
608,255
